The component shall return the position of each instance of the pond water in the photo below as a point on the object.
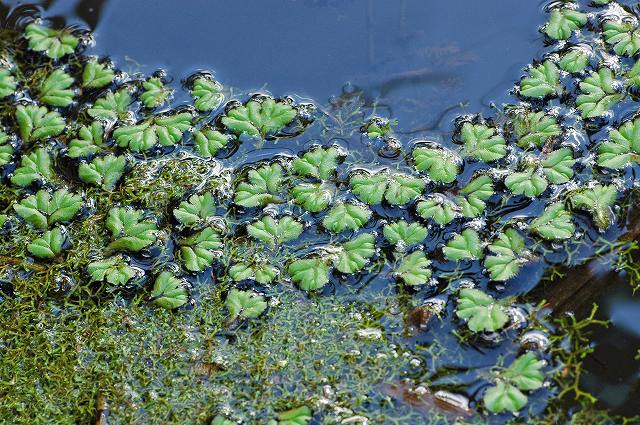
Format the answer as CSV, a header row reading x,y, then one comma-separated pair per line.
x,y
423,63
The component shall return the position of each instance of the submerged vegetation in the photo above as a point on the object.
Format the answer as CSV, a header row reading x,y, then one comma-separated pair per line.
x,y
156,269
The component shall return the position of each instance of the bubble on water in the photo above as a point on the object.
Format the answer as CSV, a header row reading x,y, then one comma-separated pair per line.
x,y
535,339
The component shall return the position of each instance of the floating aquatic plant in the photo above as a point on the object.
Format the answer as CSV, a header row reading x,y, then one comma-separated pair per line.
x,y
96,75
155,93
169,291
54,43
598,93
209,141
104,171
481,310
404,233
544,81
44,209
562,23
414,269
274,232
38,123
89,141
199,251
8,83
55,91
114,270
310,273
262,186
319,163
508,254
112,106
197,210
207,94
345,216
245,304
524,374
464,246
129,231
354,254
442,165
48,245
482,142
259,119
162,130
36,166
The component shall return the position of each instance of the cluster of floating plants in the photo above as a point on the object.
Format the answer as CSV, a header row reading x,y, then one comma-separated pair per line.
x,y
83,146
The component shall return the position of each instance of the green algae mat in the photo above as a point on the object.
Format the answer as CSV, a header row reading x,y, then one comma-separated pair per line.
x,y
240,259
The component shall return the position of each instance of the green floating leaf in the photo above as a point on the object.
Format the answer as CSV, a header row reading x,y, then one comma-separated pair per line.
x,y
524,374
274,232
354,255
221,420
506,261
112,106
207,94
209,141
481,142
129,231
397,189
531,182
404,233
35,166
414,269
438,208
6,149
88,142
113,270
48,245
309,273
96,75
377,128
481,310
558,165
633,75
313,197
55,91
562,22
259,119
464,246
624,36
575,60
155,93
195,211
104,171
535,129
441,165
54,43
623,148
37,123
543,81
598,200
598,94
166,131
319,163
298,416
402,189
260,272
198,251
245,304
504,397
8,83
555,223
169,291
346,216
44,209
261,189
473,197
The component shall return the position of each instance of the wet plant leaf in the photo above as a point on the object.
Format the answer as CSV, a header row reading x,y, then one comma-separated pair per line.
x,y
199,251
88,142
260,272
261,189
259,119
525,372
346,216
441,165
598,200
163,130
129,231
575,60
402,189
8,83
414,269
6,149
534,129
438,208
507,258
37,123
313,197
404,233
464,246
481,311
155,93
245,304
195,211
319,163
598,94
298,416
114,270
355,254
55,91
35,166
623,147
96,75
378,128
54,43
48,245
558,165
104,171
543,81
112,106
530,182
623,36
473,197
209,141
633,75
221,420
207,94
309,273
274,232
369,188
169,291
44,209
504,397
482,142
562,22
555,223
